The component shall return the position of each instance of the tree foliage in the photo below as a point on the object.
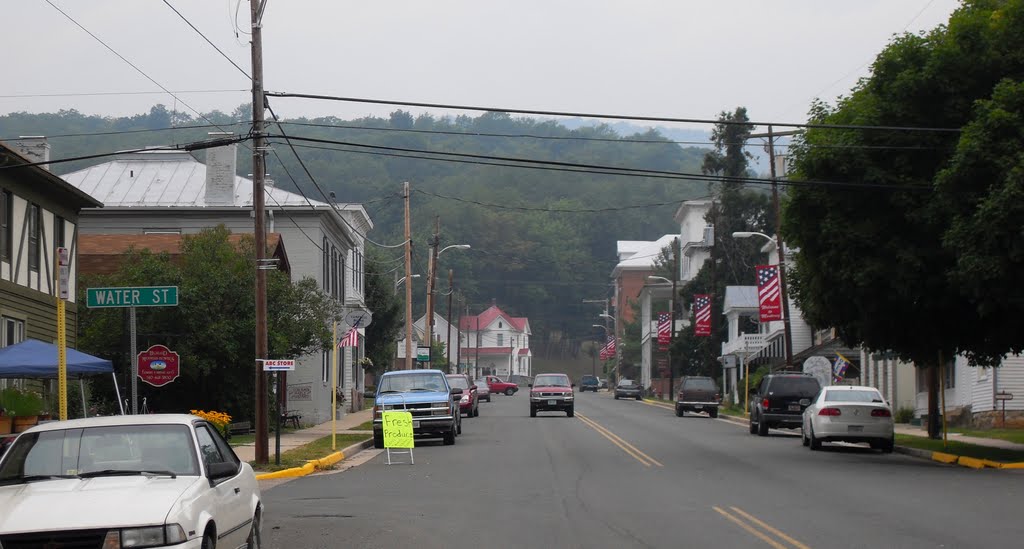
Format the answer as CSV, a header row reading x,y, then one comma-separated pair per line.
x,y
212,329
929,262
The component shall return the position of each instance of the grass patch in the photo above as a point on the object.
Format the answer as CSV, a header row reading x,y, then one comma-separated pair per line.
x,y
367,426
1012,435
317,449
961,449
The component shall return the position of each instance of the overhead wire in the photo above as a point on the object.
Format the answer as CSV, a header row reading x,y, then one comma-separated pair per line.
x,y
188,147
553,210
126,132
101,94
208,41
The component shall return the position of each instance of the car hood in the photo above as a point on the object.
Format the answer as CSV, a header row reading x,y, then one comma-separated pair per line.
x,y
419,397
101,502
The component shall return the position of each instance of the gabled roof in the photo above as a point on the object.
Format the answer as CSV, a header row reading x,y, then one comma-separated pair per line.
x,y
474,323
645,255
9,157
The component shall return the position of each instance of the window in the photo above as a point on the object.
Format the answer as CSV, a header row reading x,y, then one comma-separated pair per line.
x,y
325,369
6,213
950,371
13,331
327,265
158,231
334,272
208,448
33,237
501,340
58,231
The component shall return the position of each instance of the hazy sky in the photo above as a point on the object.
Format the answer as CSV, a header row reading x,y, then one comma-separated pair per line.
x,y
677,58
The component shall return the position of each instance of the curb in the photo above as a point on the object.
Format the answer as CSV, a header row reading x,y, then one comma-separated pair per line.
x,y
314,464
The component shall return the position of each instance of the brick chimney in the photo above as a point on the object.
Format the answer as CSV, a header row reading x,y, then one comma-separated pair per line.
x,y
33,147
221,167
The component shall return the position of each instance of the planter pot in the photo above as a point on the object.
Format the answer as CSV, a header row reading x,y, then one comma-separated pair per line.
x,y
6,424
22,423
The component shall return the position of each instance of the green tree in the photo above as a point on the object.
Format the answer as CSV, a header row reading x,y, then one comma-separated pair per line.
x,y
888,264
211,329
388,314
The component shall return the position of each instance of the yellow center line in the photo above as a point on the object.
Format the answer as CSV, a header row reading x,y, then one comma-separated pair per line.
x,y
750,529
597,428
762,524
632,450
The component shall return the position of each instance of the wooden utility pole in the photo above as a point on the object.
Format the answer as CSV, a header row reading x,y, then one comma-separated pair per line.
x,y
428,323
448,339
408,283
672,318
259,172
787,328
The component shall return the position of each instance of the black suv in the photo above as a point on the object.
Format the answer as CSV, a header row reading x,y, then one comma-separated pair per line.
x,y
589,383
779,401
698,394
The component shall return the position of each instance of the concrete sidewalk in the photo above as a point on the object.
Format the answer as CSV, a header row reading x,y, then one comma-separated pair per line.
x,y
906,429
301,437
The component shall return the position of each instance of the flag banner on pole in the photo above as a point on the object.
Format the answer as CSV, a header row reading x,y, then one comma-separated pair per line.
x,y
769,293
351,339
664,329
702,310
839,368
608,352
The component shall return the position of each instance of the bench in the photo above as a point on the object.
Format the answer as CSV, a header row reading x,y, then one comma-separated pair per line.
x,y
240,428
291,417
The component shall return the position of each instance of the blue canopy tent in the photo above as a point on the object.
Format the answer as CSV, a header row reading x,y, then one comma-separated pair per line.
x,y
37,359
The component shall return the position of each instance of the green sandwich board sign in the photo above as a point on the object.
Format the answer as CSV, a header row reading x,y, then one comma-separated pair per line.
x,y
128,296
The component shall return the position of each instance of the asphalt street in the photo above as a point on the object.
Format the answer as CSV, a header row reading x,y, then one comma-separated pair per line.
x,y
631,474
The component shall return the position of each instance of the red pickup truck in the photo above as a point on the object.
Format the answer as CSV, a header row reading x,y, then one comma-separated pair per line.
x,y
496,385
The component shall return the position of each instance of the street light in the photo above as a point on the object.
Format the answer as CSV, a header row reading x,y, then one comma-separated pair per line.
x,y
660,278
456,246
401,280
783,294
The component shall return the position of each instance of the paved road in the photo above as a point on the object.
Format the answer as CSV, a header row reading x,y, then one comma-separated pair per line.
x,y
631,474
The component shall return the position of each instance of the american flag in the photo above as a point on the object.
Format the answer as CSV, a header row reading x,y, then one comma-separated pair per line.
x,y
702,310
351,339
608,351
664,329
769,293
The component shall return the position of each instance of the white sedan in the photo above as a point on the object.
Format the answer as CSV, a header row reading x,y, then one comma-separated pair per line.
x,y
849,413
127,481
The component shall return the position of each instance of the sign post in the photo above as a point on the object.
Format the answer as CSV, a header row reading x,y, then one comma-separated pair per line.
x,y
63,274
279,366
1003,396
132,297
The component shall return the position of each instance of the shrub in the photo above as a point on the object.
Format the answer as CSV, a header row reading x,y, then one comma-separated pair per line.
x,y
904,415
20,402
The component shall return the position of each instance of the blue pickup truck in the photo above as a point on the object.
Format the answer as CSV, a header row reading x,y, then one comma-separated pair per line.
x,y
434,405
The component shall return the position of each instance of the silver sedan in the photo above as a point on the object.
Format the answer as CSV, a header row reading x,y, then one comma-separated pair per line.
x,y
849,413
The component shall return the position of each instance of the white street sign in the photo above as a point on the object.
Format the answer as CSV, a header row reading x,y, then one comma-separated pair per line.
x,y
279,365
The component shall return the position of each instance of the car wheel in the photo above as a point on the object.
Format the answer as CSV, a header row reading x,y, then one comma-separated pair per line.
x,y
814,443
510,392
803,438
638,397
680,412
255,540
888,445
458,427
569,412
762,428
449,437
616,397
713,413
753,426
209,541
476,410
378,441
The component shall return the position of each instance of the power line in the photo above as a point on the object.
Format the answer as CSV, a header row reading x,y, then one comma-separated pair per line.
x,y
609,116
552,210
188,147
208,41
124,132
100,94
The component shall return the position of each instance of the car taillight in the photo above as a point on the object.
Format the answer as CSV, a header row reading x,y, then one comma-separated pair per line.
x,y
765,404
830,412
881,412
718,397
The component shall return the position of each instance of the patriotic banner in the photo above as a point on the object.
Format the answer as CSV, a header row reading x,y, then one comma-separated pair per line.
x,y
769,293
702,310
664,329
839,368
351,339
608,351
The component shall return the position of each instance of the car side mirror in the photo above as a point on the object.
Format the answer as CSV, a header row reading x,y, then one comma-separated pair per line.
x,y
529,385
572,384
456,391
220,470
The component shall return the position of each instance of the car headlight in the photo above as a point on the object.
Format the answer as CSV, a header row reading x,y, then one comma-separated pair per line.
x,y
150,536
568,397
464,399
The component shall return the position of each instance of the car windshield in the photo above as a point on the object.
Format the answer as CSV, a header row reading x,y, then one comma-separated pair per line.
x,y
699,384
588,379
852,395
404,383
551,380
803,386
458,382
627,383
121,448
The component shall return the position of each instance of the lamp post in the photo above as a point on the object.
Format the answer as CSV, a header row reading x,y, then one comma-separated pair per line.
x,y
593,365
672,331
428,325
401,280
783,294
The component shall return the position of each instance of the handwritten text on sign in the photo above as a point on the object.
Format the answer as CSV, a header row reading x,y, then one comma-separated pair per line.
x,y
397,429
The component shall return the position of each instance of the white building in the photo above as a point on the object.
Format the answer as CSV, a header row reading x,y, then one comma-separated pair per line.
x,y
495,343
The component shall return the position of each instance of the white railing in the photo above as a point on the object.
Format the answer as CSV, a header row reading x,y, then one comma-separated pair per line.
x,y
745,343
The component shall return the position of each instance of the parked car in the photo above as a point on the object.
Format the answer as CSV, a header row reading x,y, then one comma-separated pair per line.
x,y
153,480
520,380
483,392
551,393
627,388
424,393
698,394
849,413
589,383
780,400
604,384
497,385
469,403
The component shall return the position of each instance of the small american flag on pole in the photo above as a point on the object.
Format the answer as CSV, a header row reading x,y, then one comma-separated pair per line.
x,y
702,310
351,339
769,293
664,329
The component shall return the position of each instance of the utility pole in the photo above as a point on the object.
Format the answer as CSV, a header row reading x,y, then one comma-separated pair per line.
x,y
448,339
672,319
428,323
788,332
408,283
259,172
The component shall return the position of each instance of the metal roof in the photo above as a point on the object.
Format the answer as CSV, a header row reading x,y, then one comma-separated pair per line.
x,y
167,178
644,256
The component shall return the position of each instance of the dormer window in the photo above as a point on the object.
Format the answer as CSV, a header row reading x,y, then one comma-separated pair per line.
x,y
499,324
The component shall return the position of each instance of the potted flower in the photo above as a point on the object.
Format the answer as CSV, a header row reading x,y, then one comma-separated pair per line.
x,y
6,422
23,406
